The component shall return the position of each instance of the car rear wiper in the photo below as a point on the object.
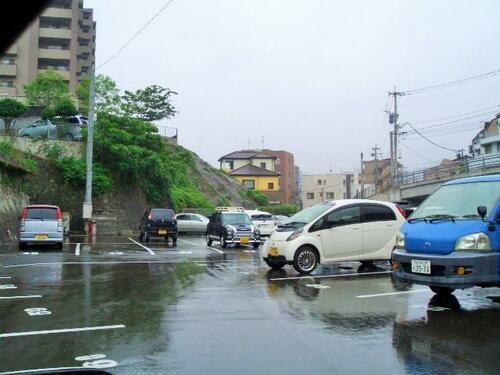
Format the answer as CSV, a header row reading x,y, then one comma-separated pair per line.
x,y
415,219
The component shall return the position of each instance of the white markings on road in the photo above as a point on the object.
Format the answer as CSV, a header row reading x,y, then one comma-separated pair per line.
x,y
201,245
21,297
184,252
36,311
328,276
31,253
141,245
392,293
116,253
96,263
41,370
77,249
317,286
96,361
5,277
8,286
63,330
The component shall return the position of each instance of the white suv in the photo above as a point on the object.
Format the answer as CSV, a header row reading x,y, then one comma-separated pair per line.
x,y
264,221
336,231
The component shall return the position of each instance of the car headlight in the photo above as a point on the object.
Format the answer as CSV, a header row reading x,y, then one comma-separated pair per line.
x,y
295,234
400,240
257,232
475,241
229,232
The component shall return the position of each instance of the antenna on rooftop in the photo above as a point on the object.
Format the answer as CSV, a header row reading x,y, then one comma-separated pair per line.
x,y
262,140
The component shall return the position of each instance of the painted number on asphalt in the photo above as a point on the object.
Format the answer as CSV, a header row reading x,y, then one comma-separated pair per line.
x,y
8,286
34,311
96,361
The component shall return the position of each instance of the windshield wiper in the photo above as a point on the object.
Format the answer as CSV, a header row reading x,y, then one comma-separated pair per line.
x,y
291,224
436,217
471,216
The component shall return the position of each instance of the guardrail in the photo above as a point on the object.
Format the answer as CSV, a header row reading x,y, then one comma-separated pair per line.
x,y
451,170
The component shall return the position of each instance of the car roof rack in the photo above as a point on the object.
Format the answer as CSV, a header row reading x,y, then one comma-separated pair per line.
x,y
229,209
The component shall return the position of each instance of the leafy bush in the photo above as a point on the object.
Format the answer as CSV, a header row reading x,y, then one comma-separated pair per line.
x,y
6,148
65,107
280,209
10,109
257,197
133,150
29,164
74,173
54,151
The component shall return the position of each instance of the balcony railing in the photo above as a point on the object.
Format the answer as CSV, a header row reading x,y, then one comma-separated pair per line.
x,y
459,168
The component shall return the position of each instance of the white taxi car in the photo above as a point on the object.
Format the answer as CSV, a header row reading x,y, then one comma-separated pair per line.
x,y
335,231
264,221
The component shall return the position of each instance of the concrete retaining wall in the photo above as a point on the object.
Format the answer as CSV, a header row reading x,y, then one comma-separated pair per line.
x,y
38,147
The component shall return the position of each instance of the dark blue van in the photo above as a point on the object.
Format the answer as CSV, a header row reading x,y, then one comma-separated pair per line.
x,y
452,241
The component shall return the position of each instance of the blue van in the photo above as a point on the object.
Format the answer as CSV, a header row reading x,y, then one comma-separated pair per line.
x,y
452,240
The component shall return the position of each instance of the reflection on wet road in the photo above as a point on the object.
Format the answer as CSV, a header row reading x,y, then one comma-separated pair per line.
x,y
191,309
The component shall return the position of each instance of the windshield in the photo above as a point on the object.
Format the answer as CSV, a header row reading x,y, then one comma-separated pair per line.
x,y
262,217
309,214
460,200
41,213
162,214
236,218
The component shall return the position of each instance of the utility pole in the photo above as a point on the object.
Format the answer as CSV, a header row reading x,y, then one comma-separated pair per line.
x,y
376,172
393,119
87,204
362,178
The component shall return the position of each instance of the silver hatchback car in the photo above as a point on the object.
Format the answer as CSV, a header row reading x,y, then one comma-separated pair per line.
x,y
41,224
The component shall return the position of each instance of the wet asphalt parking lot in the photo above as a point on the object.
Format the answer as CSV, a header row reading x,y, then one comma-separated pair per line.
x,y
154,309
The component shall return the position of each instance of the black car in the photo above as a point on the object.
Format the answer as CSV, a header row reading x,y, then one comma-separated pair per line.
x,y
158,222
232,226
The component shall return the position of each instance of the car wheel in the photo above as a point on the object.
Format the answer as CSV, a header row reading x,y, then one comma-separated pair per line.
x,y
68,137
141,237
60,246
222,241
256,245
22,246
275,265
146,237
174,241
441,290
305,260
209,240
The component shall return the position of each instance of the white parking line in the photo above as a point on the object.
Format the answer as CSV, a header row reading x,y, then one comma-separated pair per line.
x,y
329,276
392,293
201,245
20,297
5,277
141,245
77,249
96,263
38,370
63,330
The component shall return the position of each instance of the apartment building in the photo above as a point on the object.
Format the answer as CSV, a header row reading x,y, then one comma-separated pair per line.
x,y
298,187
319,188
487,141
62,38
285,166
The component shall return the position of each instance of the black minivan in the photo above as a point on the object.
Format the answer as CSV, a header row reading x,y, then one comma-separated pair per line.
x,y
158,222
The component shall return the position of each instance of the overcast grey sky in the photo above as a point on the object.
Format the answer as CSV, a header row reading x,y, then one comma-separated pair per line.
x,y
311,76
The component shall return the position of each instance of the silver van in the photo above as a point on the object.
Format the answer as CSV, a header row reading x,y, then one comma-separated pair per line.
x,y
41,224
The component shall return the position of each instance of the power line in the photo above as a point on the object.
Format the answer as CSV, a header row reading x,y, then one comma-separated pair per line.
x,y
417,153
446,128
451,133
458,115
454,121
452,83
125,45
430,141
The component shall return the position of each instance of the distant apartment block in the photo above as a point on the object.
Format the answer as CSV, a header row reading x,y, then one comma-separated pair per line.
x,y
298,187
487,141
285,166
326,187
62,38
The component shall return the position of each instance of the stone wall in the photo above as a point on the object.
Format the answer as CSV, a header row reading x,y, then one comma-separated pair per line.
x,y
38,147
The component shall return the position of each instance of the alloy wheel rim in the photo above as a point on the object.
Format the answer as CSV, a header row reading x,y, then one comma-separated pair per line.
x,y
307,260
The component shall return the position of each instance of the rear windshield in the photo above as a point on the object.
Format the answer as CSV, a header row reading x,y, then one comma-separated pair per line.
x,y
162,214
262,217
41,213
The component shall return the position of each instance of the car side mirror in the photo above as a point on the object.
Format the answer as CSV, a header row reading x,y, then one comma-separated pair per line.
x,y
482,211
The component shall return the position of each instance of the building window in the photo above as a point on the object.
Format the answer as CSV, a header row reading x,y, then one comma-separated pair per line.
x,y
6,83
55,23
487,149
319,182
230,164
270,186
263,165
310,195
7,60
249,184
329,195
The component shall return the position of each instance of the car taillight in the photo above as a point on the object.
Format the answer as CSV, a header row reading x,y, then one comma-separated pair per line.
x,y
403,211
23,220
59,214
150,216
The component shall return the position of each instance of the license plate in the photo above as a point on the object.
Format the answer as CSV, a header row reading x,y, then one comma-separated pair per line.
x,y
162,231
421,266
273,251
244,240
41,237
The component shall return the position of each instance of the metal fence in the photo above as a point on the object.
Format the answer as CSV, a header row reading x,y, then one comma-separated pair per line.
x,y
453,169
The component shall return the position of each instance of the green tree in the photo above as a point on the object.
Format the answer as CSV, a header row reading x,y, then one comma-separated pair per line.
x,y
107,95
65,107
149,104
47,89
9,110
